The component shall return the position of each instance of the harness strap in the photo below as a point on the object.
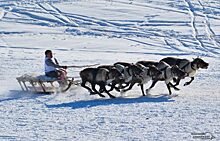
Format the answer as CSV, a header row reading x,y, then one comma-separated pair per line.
x,y
192,66
185,66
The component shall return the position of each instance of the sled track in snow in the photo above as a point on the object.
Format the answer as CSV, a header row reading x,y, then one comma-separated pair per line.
x,y
127,29
52,10
209,31
195,30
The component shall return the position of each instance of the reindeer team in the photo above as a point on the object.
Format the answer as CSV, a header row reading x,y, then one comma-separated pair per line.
x,y
122,76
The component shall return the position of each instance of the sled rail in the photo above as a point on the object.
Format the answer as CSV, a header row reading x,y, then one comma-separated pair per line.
x,y
44,84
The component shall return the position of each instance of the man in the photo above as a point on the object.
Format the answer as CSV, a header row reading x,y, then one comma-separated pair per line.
x,y
53,69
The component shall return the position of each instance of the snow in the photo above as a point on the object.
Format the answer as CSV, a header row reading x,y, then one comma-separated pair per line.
x,y
82,32
1,13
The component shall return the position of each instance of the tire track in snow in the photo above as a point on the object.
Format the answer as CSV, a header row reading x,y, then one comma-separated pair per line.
x,y
195,30
209,31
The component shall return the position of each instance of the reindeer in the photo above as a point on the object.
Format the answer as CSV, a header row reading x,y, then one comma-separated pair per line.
x,y
117,75
189,67
168,73
141,75
124,69
97,76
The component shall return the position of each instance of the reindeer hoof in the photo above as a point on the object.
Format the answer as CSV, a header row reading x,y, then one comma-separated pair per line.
x,y
118,90
101,95
123,91
111,96
186,84
177,89
93,93
147,91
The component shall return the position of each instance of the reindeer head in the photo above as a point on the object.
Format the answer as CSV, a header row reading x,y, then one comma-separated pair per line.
x,y
115,74
199,63
178,72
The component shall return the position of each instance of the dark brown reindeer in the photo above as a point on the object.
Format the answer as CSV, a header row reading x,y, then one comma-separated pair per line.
x,y
97,76
189,67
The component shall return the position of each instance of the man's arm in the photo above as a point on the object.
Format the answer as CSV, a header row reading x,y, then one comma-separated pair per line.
x,y
49,62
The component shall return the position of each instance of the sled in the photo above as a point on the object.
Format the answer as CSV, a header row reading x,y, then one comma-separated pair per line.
x,y
44,84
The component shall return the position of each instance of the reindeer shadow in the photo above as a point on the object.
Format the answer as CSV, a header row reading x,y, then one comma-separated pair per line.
x,y
116,101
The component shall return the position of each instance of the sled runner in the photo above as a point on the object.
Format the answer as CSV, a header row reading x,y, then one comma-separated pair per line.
x,y
44,84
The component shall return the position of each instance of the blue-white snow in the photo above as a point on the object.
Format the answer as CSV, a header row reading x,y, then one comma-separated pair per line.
x,y
82,32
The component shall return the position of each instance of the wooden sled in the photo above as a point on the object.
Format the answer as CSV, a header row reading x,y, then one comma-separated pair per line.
x,y
44,84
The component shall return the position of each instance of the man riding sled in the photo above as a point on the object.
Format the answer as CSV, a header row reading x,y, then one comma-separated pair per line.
x,y
54,70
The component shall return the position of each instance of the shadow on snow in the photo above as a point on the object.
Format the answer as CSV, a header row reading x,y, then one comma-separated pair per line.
x,y
117,101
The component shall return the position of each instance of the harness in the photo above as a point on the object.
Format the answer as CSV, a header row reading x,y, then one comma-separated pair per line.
x,y
192,66
182,68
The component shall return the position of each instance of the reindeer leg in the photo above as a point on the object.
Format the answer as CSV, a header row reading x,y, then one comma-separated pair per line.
x,y
94,89
177,82
187,83
126,85
142,89
112,87
102,86
130,87
168,87
110,95
152,85
83,85
101,90
117,89
175,88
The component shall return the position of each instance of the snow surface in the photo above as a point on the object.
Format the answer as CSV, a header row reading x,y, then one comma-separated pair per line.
x,y
82,32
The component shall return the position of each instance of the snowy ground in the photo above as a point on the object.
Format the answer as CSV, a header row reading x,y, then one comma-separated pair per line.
x,y
82,32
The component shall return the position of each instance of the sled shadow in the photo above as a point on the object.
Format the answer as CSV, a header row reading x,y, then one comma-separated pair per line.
x,y
16,94
116,101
